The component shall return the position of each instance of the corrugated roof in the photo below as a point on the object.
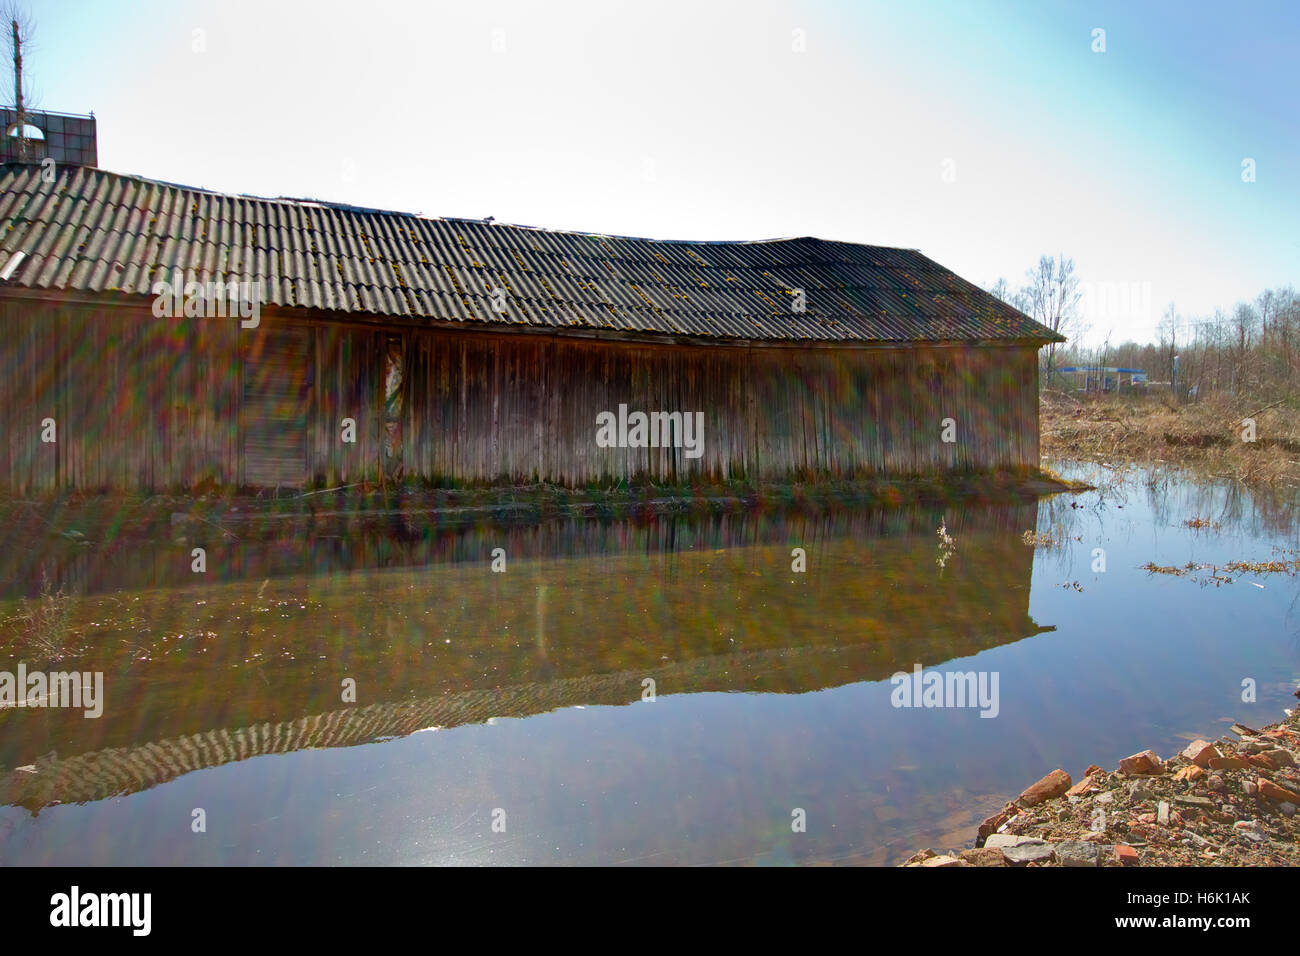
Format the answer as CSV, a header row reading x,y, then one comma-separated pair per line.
x,y
92,231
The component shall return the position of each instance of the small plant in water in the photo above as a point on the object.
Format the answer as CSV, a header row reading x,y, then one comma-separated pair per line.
x,y
947,547
41,624
1032,538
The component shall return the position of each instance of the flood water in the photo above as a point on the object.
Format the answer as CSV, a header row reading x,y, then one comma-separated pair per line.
x,y
665,691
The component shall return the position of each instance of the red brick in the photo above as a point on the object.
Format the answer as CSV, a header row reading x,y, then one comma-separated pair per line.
x,y
1053,785
1273,791
990,826
984,856
1200,752
1083,786
1229,763
1145,762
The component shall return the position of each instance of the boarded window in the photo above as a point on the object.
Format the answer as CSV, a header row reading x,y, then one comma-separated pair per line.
x,y
276,397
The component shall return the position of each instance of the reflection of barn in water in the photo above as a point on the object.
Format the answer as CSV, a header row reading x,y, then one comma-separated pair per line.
x,y
550,634
258,549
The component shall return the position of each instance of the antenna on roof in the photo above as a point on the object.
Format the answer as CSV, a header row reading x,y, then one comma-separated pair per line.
x,y
490,219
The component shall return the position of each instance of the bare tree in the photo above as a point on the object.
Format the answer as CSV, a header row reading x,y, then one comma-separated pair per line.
x,y
19,29
1268,303
1017,299
1287,330
1245,321
1052,295
1168,331
1251,351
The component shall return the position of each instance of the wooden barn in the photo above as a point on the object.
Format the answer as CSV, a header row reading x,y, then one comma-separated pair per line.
x,y
363,345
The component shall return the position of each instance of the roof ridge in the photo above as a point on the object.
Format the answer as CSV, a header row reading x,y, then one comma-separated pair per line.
x,y
309,202
102,232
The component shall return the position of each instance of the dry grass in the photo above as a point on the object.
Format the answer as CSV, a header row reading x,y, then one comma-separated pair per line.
x,y
39,627
1205,436
1038,539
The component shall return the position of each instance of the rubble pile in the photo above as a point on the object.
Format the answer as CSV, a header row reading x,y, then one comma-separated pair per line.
x,y
1231,802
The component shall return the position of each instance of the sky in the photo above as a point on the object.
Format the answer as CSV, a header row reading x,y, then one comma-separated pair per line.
x,y
984,134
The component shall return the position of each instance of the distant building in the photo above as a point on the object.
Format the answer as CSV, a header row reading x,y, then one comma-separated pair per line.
x,y
62,137
1107,378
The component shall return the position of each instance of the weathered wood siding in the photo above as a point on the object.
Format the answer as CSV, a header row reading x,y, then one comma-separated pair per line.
x,y
141,402
276,398
483,407
137,402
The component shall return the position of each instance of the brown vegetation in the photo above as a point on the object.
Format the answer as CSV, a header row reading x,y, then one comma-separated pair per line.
x,y
1207,435
40,625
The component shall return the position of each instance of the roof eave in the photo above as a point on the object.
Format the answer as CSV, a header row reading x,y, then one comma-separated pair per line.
x,y
128,300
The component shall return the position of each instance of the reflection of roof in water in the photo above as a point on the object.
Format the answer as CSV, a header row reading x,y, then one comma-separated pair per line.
x,y
121,770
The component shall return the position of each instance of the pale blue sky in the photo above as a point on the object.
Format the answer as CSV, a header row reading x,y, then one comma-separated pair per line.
x,y
701,120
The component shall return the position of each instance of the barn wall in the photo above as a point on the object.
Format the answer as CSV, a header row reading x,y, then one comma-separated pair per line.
x,y
484,407
145,403
137,402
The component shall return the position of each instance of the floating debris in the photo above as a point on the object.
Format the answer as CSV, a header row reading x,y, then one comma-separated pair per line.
x,y
1238,567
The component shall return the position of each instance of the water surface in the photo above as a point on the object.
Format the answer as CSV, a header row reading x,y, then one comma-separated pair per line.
x,y
666,691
